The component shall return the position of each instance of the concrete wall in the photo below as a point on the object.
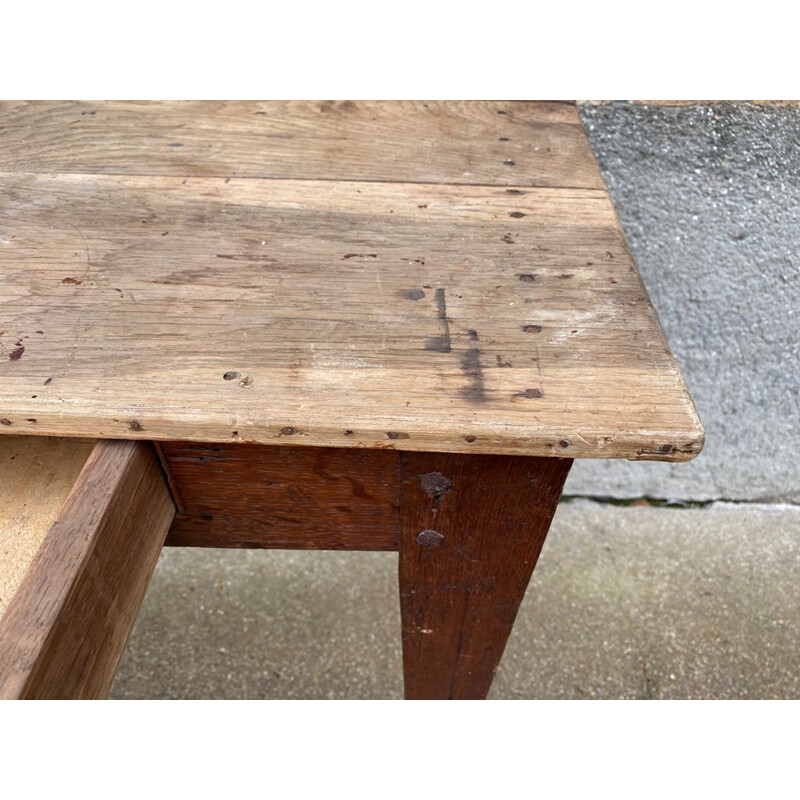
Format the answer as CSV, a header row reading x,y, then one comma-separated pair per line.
x,y
709,197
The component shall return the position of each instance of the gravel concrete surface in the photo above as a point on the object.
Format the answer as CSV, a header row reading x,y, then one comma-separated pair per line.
x,y
709,197
631,602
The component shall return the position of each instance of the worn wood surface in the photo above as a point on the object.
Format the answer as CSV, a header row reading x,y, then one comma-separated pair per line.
x,y
67,624
284,497
471,532
427,142
36,475
366,293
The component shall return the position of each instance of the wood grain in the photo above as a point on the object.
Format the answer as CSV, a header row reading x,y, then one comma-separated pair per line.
x,y
472,529
284,497
387,315
36,476
67,624
506,144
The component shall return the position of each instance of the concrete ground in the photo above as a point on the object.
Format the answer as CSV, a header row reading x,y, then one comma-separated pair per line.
x,y
709,197
626,602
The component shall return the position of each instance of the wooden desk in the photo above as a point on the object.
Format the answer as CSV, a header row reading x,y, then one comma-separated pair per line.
x,y
373,326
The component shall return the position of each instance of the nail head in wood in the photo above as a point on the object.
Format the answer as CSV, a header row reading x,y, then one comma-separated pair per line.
x,y
429,538
435,484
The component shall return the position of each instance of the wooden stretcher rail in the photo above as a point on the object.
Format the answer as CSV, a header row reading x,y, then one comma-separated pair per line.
x,y
309,498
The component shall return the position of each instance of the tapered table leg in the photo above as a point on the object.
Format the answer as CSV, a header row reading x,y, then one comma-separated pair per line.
x,y
472,527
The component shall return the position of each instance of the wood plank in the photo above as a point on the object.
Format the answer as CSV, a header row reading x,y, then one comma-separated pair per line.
x,y
36,476
65,628
407,316
284,497
472,530
500,143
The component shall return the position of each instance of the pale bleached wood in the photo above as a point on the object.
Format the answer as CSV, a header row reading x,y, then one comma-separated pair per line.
x,y
67,624
36,475
363,313
522,143
422,317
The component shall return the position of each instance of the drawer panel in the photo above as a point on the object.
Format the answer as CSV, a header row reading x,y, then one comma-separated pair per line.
x,y
81,528
36,476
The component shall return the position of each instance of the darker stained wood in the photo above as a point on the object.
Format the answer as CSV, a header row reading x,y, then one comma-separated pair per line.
x,y
66,627
460,590
247,495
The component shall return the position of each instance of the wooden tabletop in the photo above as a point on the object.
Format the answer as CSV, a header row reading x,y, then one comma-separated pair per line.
x,y
445,276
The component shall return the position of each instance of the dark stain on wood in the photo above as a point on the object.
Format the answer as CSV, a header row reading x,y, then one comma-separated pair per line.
x,y
440,343
475,391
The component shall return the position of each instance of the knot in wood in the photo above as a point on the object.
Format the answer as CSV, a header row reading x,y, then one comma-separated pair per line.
x,y
429,538
434,484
